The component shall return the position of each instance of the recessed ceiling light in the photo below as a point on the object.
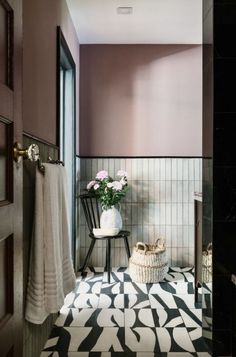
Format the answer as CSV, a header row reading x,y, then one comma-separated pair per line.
x,y
124,10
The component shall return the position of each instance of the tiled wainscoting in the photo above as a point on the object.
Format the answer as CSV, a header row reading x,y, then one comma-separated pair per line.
x,y
159,203
34,335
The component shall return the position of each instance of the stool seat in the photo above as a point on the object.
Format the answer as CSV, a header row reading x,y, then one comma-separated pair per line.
x,y
92,213
121,234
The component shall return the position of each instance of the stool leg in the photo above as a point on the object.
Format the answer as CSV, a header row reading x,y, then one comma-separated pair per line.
x,y
127,247
88,255
108,263
105,269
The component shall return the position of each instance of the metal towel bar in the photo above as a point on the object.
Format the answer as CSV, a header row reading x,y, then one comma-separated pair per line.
x,y
50,161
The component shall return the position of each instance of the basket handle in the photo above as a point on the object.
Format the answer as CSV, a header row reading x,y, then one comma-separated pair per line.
x,y
143,245
160,243
209,247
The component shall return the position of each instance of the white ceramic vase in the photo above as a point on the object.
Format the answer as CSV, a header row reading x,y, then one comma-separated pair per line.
x,y
111,218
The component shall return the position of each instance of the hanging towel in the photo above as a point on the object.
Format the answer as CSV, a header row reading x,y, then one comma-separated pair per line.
x,y
51,274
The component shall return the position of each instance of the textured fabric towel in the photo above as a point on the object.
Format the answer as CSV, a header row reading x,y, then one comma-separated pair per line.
x,y
51,274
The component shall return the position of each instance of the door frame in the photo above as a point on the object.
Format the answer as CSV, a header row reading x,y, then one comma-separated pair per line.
x,y
11,209
61,43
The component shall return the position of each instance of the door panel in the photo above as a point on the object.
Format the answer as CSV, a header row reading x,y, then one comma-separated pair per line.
x,y
6,96
6,283
6,59
6,43
3,162
3,44
6,169
11,262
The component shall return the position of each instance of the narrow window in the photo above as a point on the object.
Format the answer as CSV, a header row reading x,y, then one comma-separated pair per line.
x,y
66,123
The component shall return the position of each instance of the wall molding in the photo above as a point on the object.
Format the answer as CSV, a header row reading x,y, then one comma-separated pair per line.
x,y
28,135
140,157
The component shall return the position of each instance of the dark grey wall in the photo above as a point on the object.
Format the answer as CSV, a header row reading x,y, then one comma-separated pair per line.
x,y
220,208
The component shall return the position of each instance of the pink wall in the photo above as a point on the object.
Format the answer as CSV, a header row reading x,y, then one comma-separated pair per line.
x,y
208,100
140,100
40,19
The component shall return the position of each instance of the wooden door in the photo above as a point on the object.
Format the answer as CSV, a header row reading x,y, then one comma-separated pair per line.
x,y
11,269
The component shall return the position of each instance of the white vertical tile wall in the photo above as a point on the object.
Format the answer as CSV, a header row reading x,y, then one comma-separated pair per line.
x,y
159,203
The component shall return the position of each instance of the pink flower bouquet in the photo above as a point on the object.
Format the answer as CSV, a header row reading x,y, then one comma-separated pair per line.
x,y
109,192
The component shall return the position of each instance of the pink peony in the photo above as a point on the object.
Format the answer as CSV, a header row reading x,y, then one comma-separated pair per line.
x,y
109,185
122,173
101,175
96,186
90,184
117,186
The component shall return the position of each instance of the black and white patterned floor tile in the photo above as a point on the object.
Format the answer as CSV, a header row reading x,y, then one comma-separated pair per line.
x,y
115,277
123,354
207,288
134,288
94,339
110,317
197,339
180,274
165,300
116,287
140,339
137,301
124,318
174,340
186,301
87,287
91,317
162,301
127,277
175,276
120,269
83,301
91,277
139,318
167,318
159,287
181,269
192,317
77,317
181,288
111,301
69,299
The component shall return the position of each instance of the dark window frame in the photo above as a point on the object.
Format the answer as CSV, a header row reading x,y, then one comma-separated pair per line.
x,y
66,61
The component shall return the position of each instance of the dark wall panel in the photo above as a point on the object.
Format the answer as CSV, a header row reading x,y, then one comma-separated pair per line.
x,y
223,184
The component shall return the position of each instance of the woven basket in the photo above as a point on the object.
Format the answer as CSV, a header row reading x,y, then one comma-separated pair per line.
x,y
148,263
207,264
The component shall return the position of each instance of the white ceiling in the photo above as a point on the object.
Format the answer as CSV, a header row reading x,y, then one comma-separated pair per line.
x,y
152,21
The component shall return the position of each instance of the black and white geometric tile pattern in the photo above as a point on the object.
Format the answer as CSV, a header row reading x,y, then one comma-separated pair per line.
x,y
124,318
